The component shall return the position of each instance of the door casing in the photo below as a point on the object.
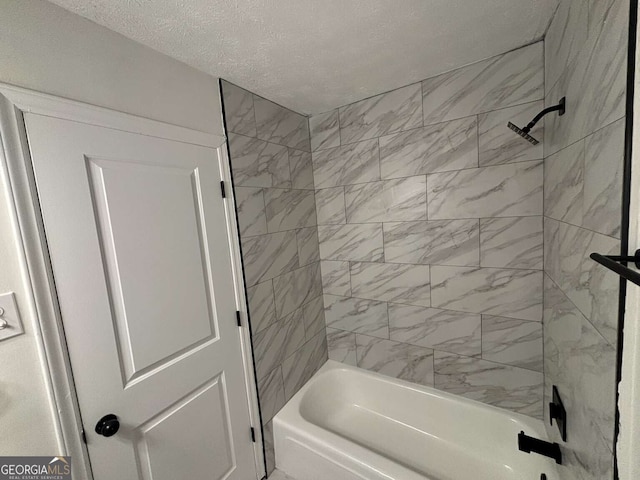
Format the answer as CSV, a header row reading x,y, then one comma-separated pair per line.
x,y
15,167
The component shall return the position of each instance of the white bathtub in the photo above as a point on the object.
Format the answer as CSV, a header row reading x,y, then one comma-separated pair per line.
x,y
350,424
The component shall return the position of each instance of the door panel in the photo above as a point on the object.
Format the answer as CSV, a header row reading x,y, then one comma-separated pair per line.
x,y
139,247
162,255
180,438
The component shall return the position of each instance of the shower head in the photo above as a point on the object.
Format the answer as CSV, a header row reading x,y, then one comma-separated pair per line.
x,y
524,133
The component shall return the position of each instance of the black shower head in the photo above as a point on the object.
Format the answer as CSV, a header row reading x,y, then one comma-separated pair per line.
x,y
524,134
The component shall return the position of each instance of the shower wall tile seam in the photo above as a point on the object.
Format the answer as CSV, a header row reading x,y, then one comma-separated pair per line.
x,y
476,167
597,329
295,229
442,220
477,114
434,264
462,312
270,142
581,227
471,357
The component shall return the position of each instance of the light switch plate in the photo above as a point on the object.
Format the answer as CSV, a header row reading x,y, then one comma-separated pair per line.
x,y
11,316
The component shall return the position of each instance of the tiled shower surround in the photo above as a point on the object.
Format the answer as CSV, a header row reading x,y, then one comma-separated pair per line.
x,y
273,185
433,243
430,227
585,55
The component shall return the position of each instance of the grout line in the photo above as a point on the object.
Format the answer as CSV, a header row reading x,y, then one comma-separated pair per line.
x,y
340,144
538,160
581,227
482,337
436,350
434,308
474,267
478,139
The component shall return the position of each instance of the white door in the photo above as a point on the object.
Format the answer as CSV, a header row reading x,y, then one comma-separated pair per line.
x,y
140,252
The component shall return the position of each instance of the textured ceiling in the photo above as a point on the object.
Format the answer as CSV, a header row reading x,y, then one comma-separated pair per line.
x,y
315,55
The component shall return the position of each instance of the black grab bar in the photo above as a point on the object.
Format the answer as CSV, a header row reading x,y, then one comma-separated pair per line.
x,y
612,263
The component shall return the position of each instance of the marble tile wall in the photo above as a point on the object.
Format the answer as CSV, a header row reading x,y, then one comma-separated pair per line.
x,y
270,154
585,60
430,231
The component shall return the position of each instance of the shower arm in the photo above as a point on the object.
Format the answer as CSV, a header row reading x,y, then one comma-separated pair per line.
x,y
556,108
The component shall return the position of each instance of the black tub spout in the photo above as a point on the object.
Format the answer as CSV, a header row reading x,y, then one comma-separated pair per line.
x,y
529,444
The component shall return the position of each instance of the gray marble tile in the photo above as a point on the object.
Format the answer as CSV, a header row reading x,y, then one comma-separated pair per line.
x,y
493,291
346,165
238,110
509,79
401,199
271,394
357,315
563,184
325,130
267,256
276,342
256,163
330,206
512,242
251,215
436,148
438,242
336,279
600,13
294,289
391,282
552,247
300,367
342,346
389,112
269,451
512,342
289,209
503,386
590,286
594,83
397,360
500,191
308,246
499,145
442,330
313,314
301,168
261,306
603,163
279,125
581,363
565,37
358,242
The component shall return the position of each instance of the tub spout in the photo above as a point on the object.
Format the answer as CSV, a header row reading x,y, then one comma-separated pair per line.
x,y
529,444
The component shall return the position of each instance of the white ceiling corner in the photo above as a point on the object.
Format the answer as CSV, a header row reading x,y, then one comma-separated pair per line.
x,y
315,55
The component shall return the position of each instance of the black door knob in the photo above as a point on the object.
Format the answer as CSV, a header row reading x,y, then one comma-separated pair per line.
x,y
108,425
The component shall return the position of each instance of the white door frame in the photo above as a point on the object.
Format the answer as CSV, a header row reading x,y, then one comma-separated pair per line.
x,y
15,166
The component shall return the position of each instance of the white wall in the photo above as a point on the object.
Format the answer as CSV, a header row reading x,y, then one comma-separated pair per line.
x,y
48,49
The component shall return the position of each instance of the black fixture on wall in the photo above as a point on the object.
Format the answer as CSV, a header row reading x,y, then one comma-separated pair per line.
x,y
529,444
558,413
524,132
612,262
